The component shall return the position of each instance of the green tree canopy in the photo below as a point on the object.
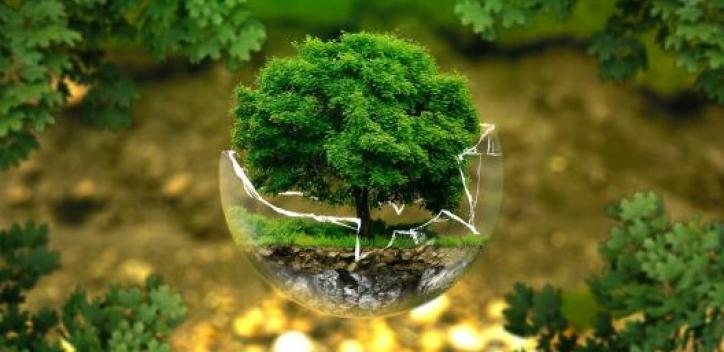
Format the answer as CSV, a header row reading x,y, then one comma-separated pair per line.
x,y
361,120
664,279
44,44
692,31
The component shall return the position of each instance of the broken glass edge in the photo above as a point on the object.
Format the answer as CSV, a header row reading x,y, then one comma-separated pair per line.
x,y
486,142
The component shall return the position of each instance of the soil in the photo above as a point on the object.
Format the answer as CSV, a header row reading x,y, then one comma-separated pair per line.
x,y
323,258
383,281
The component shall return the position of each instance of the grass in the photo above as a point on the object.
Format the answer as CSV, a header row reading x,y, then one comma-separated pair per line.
x,y
309,233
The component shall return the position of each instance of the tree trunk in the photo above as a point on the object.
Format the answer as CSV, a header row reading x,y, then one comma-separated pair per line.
x,y
362,203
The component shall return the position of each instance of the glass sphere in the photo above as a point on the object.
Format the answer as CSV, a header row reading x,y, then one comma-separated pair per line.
x,y
313,253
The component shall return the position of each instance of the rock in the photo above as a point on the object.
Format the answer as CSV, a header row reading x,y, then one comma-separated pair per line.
x,y
300,286
349,291
369,303
437,279
327,281
363,282
381,283
421,249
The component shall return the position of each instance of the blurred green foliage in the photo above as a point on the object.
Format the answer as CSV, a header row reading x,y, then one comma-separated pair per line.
x,y
44,44
661,289
692,32
133,319
421,18
354,15
579,307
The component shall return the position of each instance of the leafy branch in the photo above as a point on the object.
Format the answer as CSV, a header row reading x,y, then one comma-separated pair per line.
x,y
45,44
690,30
661,289
124,319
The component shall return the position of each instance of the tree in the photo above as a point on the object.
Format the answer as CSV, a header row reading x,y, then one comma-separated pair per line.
x,y
361,120
666,279
690,30
124,319
45,44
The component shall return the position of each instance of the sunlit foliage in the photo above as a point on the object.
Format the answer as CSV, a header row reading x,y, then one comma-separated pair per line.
x,y
692,31
661,289
44,44
132,319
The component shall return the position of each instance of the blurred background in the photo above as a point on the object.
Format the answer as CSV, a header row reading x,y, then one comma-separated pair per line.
x,y
123,205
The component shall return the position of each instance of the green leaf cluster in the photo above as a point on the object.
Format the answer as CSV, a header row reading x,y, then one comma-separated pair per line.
x,y
24,259
133,319
366,113
489,17
46,43
661,289
692,31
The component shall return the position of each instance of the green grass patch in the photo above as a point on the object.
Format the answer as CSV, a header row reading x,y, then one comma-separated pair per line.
x,y
308,233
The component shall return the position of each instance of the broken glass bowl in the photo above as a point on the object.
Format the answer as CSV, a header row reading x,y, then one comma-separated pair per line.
x,y
312,252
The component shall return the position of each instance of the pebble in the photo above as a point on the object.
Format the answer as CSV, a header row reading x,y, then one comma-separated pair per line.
x,y
136,270
558,163
716,157
18,195
177,185
85,189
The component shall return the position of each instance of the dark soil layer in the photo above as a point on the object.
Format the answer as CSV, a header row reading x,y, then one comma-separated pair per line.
x,y
383,281
320,259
